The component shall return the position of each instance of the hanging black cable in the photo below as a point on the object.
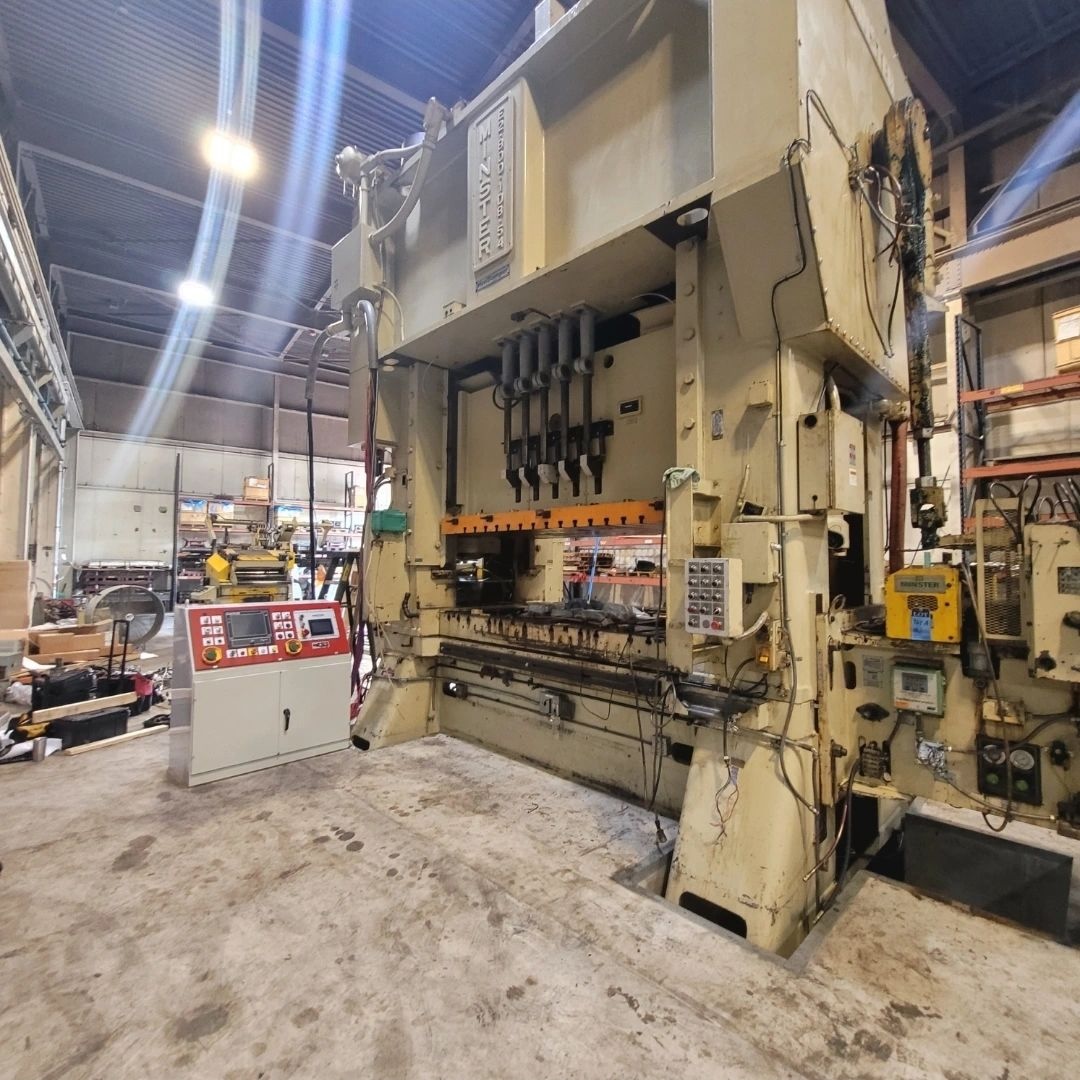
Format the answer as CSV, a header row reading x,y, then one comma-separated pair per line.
x,y
309,393
311,496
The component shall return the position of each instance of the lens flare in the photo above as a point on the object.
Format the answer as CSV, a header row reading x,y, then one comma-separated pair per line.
x,y
1058,142
229,154
195,294
191,325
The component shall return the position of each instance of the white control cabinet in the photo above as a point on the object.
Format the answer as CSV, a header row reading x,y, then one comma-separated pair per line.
x,y
236,710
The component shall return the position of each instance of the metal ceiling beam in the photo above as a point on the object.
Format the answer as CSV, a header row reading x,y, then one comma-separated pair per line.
x,y
89,325
922,81
99,266
96,380
1016,112
364,78
1013,57
159,167
1036,16
141,185
1034,246
269,366
926,12
521,35
30,399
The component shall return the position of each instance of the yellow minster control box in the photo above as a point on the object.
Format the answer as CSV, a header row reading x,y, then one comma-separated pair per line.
x,y
922,603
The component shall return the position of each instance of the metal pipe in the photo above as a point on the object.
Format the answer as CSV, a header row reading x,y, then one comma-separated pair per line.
x,y
832,393
544,349
898,429
902,148
542,382
316,355
584,364
587,329
433,120
778,519
309,392
453,410
509,366
174,583
523,384
565,370
353,165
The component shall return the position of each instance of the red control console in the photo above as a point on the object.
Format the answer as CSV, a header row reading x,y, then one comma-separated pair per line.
x,y
241,635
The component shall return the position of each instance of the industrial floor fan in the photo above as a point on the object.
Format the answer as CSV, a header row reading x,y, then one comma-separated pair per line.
x,y
141,609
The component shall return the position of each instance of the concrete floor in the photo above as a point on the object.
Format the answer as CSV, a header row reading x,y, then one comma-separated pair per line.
x,y
436,911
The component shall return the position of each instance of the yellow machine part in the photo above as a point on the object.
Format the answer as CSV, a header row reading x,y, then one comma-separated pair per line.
x,y
922,603
245,594
217,568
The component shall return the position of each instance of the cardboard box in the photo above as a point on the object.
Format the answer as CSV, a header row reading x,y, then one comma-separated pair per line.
x,y
89,642
1067,339
15,598
257,488
48,641
1068,355
69,656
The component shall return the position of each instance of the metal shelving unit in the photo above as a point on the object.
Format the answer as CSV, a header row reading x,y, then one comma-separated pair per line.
x,y
977,402
193,545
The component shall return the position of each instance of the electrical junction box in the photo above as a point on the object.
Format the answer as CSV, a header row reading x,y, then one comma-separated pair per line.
x,y
756,545
919,690
922,603
352,262
714,597
1050,594
832,473
393,522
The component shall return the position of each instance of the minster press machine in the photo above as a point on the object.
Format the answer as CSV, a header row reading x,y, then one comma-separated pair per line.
x,y
668,273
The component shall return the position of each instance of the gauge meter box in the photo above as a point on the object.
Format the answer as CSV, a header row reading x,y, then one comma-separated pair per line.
x,y
1008,771
713,606
919,690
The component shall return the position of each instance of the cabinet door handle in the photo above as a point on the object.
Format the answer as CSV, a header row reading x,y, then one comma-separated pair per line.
x,y
288,717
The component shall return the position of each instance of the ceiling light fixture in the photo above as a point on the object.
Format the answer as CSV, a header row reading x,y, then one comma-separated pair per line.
x,y
195,293
230,154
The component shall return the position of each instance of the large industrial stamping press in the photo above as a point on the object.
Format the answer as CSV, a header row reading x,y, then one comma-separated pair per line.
x,y
669,274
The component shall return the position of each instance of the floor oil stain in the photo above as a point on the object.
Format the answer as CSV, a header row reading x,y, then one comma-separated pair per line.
x,y
200,1023
135,854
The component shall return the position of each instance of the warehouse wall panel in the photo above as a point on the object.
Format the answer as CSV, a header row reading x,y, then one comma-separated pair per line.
x,y
123,502
1018,329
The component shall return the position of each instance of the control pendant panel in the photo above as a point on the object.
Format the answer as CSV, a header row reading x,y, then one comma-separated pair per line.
x,y
714,597
239,635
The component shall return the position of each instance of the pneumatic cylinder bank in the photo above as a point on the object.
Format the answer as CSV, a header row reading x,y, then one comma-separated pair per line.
x,y
644,305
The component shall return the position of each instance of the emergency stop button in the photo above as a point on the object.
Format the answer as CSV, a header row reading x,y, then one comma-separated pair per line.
x,y
211,655
293,647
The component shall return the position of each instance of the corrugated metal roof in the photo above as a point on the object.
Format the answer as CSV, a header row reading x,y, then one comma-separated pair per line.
x,y
108,301
968,44
126,87
112,97
426,47
101,216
